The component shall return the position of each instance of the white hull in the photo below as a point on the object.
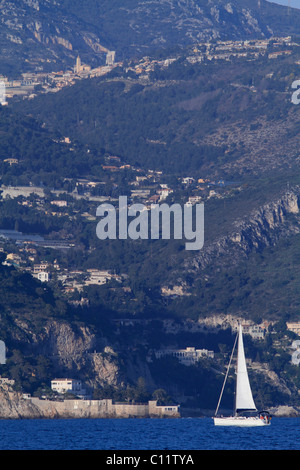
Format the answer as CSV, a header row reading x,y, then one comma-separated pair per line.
x,y
241,421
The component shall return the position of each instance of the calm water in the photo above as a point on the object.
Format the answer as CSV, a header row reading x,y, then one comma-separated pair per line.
x,y
146,434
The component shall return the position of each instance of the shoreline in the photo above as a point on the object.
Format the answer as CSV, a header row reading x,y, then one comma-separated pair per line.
x,y
278,412
14,406
118,418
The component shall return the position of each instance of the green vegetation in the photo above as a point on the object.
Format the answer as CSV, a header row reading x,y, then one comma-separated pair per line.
x,y
177,109
213,120
179,121
43,160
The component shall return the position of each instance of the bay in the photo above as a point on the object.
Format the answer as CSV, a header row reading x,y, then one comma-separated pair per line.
x,y
146,434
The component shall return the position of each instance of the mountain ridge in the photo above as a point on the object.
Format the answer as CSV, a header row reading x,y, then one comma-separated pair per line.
x,y
40,34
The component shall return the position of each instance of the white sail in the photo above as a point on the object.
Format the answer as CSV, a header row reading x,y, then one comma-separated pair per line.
x,y
244,398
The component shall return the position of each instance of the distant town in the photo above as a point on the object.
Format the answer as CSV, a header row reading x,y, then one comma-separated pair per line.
x,y
31,84
145,185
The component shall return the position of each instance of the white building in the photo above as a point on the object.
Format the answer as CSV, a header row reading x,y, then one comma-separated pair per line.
x,y
186,356
296,357
255,331
97,277
3,101
42,276
41,267
249,328
68,385
193,200
164,193
188,180
110,58
60,203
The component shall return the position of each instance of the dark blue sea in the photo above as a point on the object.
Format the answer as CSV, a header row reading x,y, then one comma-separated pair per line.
x,y
146,434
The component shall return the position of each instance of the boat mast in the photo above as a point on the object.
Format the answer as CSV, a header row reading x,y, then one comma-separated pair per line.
x,y
226,374
236,371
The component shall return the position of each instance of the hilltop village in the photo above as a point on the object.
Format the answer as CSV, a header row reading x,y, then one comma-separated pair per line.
x,y
30,84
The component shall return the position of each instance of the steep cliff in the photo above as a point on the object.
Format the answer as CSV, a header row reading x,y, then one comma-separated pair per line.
x,y
247,266
79,351
36,33
263,227
12,406
72,350
148,24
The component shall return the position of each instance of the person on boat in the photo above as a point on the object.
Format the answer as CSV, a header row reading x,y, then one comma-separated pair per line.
x,y
266,418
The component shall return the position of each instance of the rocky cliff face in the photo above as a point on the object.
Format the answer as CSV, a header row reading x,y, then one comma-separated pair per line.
x,y
12,406
148,24
36,31
261,228
264,227
80,352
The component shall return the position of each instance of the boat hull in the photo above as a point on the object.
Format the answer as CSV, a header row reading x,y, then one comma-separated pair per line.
x,y
241,421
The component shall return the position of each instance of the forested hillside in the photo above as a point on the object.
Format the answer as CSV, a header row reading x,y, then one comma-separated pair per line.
x,y
188,122
223,117
44,157
232,121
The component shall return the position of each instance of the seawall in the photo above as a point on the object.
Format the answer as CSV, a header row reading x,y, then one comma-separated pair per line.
x,y
14,406
102,409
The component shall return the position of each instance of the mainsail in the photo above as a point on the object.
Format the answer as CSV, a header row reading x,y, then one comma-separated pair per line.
x,y
244,399
243,396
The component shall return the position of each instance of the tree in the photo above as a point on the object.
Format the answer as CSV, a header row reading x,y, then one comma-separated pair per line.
x,y
141,392
161,396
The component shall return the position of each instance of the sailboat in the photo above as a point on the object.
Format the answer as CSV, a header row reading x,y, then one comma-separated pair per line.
x,y
246,413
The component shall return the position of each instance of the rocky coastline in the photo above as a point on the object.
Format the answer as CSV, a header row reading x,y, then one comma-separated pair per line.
x,y
14,406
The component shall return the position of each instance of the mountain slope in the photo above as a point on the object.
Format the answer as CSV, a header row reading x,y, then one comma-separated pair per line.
x,y
36,33
230,120
144,24
205,118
